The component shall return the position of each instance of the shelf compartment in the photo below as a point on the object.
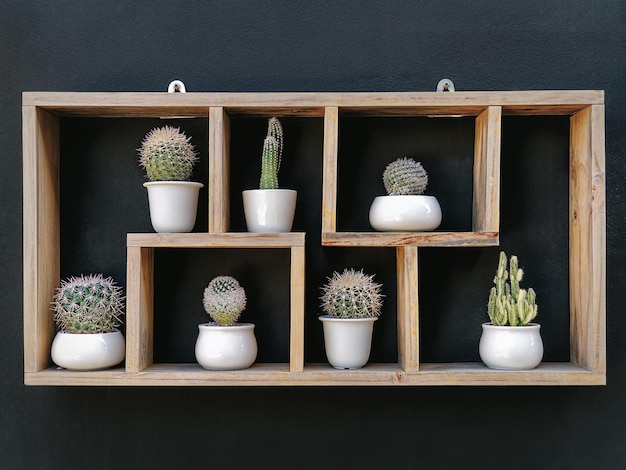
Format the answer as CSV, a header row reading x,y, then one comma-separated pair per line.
x,y
140,286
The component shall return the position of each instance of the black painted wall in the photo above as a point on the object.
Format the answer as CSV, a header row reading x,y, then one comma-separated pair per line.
x,y
320,46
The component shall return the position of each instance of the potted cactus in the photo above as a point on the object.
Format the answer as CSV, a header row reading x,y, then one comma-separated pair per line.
x,y
87,311
224,344
168,159
270,209
510,341
352,302
405,208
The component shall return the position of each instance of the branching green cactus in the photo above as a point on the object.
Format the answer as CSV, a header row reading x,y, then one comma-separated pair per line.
x,y
508,303
224,300
405,176
351,294
167,155
272,155
88,304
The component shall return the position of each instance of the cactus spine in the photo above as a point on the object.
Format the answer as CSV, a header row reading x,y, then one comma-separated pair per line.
x,y
351,294
272,154
167,155
508,303
88,304
224,300
405,176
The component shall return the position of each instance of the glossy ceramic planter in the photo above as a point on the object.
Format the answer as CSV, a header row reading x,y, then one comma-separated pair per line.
x,y
226,347
88,351
173,205
269,210
347,341
511,347
416,213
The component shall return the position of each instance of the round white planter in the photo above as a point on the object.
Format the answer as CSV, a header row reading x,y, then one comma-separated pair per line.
x,y
511,347
94,351
173,205
226,347
347,341
269,210
414,213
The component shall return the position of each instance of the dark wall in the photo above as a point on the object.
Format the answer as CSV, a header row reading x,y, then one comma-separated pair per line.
x,y
320,46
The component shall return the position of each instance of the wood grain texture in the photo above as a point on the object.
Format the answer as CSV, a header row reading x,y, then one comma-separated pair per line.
x,y
41,233
433,239
297,281
216,240
408,308
329,185
219,170
587,239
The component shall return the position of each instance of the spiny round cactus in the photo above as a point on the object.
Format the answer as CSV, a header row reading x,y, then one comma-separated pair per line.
x,y
88,304
272,155
405,176
224,300
351,294
167,155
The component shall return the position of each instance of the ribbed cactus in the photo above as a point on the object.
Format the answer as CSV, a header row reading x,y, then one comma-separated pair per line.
x,y
351,294
272,154
224,300
167,155
405,176
508,303
88,304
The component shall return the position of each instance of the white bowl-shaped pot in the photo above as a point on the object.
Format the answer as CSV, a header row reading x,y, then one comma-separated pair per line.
x,y
347,341
173,205
412,213
511,347
93,351
226,347
269,210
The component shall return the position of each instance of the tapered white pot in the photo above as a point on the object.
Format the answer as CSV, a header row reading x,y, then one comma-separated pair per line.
x,y
511,347
226,347
269,210
173,205
93,351
411,213
347,341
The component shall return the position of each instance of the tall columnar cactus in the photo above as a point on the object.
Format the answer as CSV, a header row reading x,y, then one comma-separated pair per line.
x,y
405,176
167,155
508,303
272,154
351,294
224,300
88,304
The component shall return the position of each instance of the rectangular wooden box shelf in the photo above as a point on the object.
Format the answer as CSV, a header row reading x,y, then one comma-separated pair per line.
x,y
41,112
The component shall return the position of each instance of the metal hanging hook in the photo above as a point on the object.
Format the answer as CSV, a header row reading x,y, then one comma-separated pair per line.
x,y
445,84
176,86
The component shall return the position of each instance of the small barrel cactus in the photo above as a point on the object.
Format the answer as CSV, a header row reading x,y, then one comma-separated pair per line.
x,y
88,304
272,154
508,303
224,300
167,155
405,176
351,294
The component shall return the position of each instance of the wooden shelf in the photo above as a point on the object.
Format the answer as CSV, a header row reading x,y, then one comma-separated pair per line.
x,y
41,112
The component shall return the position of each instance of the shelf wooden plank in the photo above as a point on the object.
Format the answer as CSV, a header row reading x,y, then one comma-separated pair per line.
x,y
216,240
408,307
434,239
462,373
219,170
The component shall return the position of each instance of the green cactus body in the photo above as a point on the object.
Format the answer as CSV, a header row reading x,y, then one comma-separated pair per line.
x,y
167,155
224,300
272,155
508,302
405,176
351,294
88,304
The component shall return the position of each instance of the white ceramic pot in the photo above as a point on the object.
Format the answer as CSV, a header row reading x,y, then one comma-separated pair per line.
x,y
347,341
269,210
173,205
511,347
226,347
413,213
93,351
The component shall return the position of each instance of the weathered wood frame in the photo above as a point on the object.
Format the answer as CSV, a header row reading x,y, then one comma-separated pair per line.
x,y
587,246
